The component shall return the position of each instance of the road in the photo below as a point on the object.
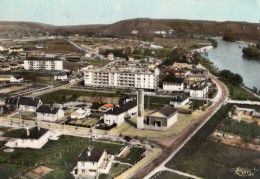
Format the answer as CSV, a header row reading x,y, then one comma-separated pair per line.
x,y
158,164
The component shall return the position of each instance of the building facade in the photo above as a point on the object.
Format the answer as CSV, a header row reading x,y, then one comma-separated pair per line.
x,y
47,113
43,63
128,79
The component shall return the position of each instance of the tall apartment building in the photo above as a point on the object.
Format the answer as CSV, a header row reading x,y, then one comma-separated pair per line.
x,y
123,79
43,63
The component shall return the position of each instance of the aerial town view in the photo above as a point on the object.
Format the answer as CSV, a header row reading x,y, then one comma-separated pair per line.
x,y
127,89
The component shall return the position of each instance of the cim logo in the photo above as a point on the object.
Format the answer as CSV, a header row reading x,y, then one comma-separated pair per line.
x,y
245,172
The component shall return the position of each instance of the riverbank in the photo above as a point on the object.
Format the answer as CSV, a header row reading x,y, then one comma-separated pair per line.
x,y
228,55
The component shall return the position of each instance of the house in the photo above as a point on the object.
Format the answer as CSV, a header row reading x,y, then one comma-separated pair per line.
x,y
47,113
16,79
110,56
14,66
163,118
182,65
29,104
11,78
35,138
118,113
15,49
191,78
199,90
173,86
177,73
5,78
62,76
180,100
11,103
91,162
80,114
5,68
199,71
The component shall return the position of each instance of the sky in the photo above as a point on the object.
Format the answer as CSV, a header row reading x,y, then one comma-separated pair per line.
x,y
75,12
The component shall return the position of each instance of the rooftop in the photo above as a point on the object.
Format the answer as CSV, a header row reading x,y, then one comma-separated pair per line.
x,y
166,111
47,109
92,155
28,101
123,107
34,133
180,98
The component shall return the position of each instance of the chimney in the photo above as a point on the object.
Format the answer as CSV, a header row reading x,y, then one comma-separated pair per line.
x,y
27,131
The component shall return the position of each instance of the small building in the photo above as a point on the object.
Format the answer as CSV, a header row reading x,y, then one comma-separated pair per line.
x,y
180,100
182,65
191,78
80,114
11,103
14,66
15,49
35,138
173,86
199,91
5,68
29,104
90,163
117,114
11,78
16,79
163,118
110,56
177,73
47,113
62,76
5,78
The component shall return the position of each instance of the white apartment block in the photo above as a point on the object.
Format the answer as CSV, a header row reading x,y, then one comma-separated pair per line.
x,y
122,79
43,63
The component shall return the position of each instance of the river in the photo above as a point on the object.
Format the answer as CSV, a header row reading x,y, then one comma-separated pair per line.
x,y
228,55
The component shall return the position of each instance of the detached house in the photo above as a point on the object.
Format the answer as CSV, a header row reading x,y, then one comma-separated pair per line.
x,y
29,104
118,113
92,162
35,138
47,113
199,91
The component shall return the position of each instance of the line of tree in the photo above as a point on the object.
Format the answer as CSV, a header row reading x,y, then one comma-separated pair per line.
x,y
231,77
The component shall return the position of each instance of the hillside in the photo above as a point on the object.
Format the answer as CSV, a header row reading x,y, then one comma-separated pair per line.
x,y
145,27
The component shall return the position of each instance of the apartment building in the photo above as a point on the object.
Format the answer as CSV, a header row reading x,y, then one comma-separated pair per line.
x,y
123,79
43,63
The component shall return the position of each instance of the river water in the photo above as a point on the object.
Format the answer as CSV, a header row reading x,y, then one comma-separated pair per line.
x,y
228,55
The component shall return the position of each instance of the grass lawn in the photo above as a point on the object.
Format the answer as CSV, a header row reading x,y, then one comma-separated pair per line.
x,y
169,175
115,170
59,155
238,93
153,102
133,156
64,95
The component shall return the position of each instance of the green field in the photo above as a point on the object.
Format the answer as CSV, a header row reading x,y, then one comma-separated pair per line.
x,y
209,159
59,155
133,156
64,95
238,93
169,175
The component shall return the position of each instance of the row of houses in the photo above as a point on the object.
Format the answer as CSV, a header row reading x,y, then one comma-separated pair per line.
x,y
43,112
